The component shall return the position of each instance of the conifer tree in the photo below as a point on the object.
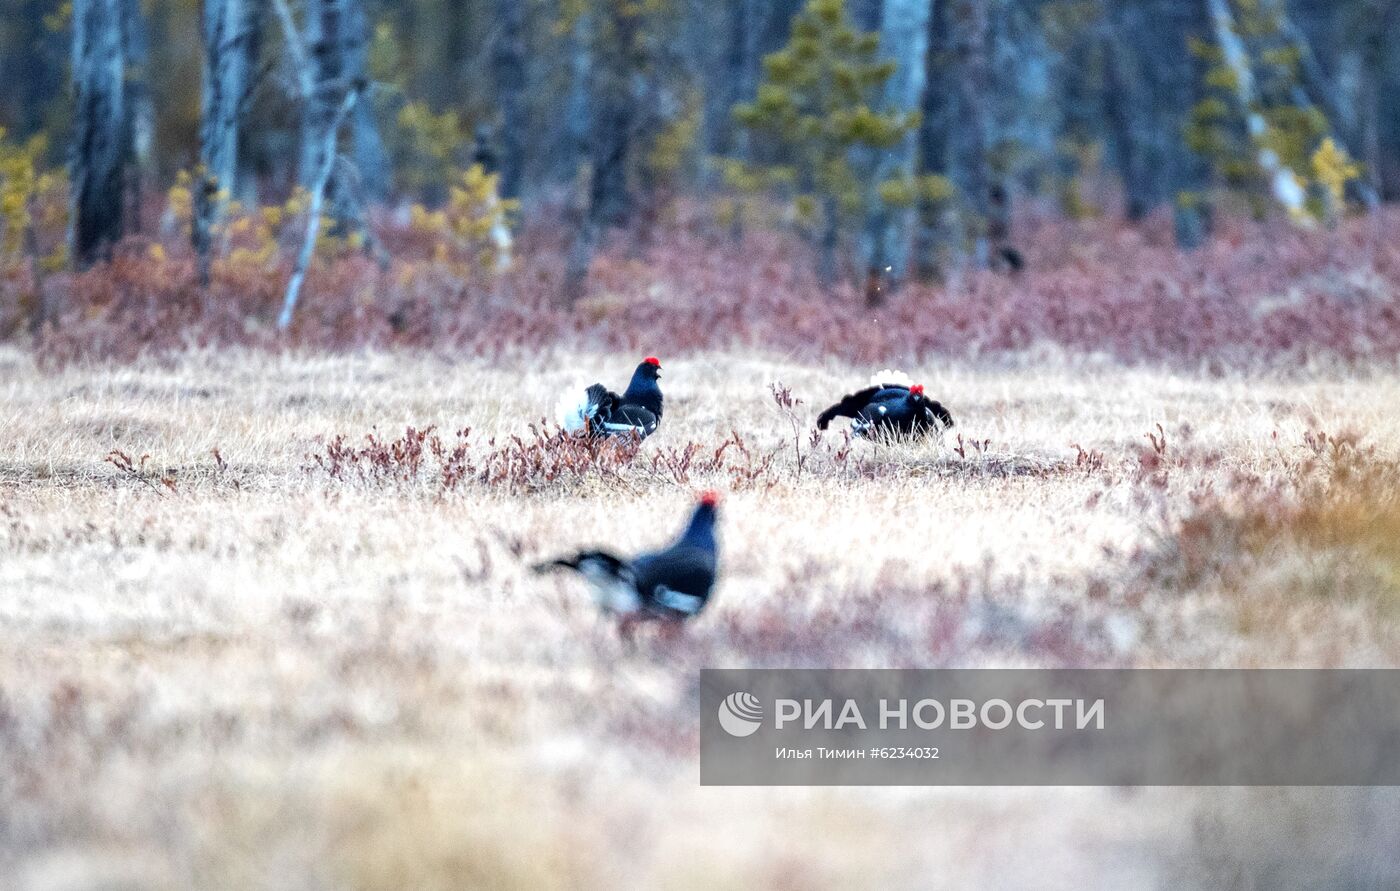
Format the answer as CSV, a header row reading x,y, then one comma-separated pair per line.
x,y
1258,126
815,107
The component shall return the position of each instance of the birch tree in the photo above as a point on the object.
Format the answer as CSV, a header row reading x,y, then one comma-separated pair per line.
x,y
229,28
904,36
1169,29
319,54
102,129
934,229
971,166
1314,87
611,75
328,57
1284,184
314,204
372,171
141,117
330,88
508,60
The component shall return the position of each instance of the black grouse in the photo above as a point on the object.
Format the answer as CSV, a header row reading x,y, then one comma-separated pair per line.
x,y
671,585
602,412
892,405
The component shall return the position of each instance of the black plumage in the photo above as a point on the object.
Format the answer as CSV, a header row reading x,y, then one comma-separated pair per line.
x,y
671,584
604,413
890,408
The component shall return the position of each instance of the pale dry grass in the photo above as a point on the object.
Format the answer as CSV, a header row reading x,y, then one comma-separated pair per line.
x,y
258,676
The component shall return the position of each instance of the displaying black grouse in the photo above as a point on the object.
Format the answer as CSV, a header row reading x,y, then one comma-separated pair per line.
x,y
602,412
891,405
672,584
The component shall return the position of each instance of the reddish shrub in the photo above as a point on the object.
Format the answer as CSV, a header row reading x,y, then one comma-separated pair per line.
x,y
1265,294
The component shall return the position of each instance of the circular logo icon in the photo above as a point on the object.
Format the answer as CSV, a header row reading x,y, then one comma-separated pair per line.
x,y
740,714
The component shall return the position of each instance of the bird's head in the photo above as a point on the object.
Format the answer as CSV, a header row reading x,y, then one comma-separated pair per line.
x,y
916,392
700,532
645,386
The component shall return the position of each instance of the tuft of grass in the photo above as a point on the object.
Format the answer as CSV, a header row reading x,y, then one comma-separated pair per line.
x,y
1098,290
340,673
1323,543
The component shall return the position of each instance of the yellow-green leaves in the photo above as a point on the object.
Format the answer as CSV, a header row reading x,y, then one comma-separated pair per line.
x,y
31,198
816,107
1333,169
1255,115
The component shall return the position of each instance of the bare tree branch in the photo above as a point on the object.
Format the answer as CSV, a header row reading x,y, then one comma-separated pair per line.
x,y
1286,189
313,212
296,48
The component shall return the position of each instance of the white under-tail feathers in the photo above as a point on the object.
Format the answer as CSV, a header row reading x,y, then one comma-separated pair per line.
x,y
617,593
612,592
574,409
689,604
577,411
889,377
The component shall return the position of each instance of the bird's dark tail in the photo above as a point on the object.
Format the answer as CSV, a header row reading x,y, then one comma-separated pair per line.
x,y
846,408
944,416
849,406
551,565
605,561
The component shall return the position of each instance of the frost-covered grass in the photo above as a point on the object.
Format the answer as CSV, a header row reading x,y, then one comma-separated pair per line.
x,y
223,665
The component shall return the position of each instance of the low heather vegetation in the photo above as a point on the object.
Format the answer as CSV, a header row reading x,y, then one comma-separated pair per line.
x,y
263,580
1264,296
289,294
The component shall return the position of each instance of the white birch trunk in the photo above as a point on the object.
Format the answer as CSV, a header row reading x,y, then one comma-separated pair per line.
x,y
1285,186
903,40
227,68
102,150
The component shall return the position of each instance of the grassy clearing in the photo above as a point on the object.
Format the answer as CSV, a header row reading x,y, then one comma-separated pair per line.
x,y
222,665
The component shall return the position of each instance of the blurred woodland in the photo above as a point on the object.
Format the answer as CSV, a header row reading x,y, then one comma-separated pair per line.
x,y
174,172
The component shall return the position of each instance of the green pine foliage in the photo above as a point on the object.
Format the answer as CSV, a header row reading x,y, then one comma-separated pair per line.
x,y
1296,130
816,107
1217,132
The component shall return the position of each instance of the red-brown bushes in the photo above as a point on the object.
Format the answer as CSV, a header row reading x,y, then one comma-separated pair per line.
x,y
1332,527
545,459
1258,295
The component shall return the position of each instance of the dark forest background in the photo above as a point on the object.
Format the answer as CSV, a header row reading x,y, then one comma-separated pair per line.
x,y
218,159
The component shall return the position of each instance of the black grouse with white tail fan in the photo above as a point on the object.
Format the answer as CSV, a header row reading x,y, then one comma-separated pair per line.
x,y
601,412
892,405
672,584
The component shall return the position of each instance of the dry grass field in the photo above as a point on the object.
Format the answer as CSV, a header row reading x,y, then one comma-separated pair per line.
x,y
236,652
